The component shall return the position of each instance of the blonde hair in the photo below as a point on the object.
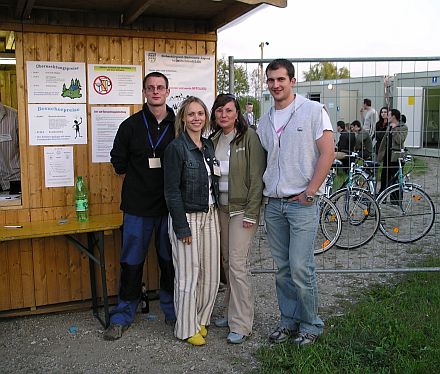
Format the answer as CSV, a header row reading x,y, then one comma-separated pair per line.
x,y
183,111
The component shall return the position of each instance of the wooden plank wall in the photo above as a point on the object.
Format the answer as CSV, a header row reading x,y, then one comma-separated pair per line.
x,y
48,271
8,87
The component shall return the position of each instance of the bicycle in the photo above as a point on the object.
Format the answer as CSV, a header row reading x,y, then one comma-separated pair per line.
x,y
360,176
403,200
330,225
359,210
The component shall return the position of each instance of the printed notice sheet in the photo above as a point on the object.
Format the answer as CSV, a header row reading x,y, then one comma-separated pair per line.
x,y
58,166
105,124
189,75
115,84
57,124
56,82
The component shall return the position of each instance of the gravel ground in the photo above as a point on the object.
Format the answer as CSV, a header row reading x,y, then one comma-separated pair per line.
x,y
72,342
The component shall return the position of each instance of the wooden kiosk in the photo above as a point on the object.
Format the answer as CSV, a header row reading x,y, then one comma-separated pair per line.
x,y
42,272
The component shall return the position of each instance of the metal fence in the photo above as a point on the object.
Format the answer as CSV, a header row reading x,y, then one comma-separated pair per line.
x,y
409,84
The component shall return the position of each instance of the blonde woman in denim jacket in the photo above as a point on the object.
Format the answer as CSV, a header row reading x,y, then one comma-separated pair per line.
x,y
191,193
242,163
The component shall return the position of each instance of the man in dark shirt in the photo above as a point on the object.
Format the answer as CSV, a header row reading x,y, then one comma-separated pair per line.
x,y
346,143
137,156
364,144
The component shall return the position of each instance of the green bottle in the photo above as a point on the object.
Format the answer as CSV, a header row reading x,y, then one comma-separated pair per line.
x,y
81,200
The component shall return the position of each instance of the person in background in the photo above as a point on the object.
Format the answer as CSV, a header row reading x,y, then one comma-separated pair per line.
x,y
10,178
346,143
137,155
242,163
249,116
191,193
298,137
363,145
381,127
368,116
389,152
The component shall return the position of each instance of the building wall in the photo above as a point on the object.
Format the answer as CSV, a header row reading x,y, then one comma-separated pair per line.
x,y
48,271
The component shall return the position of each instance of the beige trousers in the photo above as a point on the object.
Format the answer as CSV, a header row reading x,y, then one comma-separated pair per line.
x,y
197,272
235,245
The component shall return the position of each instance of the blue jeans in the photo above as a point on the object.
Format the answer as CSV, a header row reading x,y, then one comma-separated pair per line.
x,y
291,230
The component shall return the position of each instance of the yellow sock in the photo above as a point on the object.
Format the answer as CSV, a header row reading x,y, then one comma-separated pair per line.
x,y
203,331
196,339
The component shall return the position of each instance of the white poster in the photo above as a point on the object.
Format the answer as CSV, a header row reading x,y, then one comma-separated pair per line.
x,y
105,124
189,75
56,82
115,84
58,166
56,124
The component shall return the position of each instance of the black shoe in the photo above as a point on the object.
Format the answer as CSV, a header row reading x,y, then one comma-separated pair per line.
x,y
170,322
281,334
115,331
305,338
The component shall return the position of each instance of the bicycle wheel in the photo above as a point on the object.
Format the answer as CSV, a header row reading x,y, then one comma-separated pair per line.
x,y
407,214
360,180
329,226
360,216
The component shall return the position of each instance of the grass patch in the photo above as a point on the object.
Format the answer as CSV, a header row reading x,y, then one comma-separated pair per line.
x,y
420,166
390,330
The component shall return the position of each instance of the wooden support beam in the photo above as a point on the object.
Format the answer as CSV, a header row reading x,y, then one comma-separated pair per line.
x,y
24,8
137,8
19,8
28,9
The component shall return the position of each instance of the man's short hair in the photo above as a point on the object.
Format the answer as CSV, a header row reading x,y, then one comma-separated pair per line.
x,y
341,124
396,113
367,102
356,123
249,103
282,63
156,74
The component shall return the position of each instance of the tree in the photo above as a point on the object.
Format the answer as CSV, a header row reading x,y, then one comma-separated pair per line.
x,y
241,84
255,82
326,70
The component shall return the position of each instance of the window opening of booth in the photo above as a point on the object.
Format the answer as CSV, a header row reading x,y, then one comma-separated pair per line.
x,y
10,181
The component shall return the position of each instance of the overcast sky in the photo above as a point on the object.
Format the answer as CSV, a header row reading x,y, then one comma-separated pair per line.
x,y
338,28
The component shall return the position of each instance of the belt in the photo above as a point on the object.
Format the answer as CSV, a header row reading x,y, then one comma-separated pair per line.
x,y
291,196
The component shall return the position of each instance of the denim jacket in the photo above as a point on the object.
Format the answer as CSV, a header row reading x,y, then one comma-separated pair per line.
x,y
186,180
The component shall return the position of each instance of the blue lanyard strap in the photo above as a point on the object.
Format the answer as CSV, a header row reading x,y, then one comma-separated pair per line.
x,y
150,139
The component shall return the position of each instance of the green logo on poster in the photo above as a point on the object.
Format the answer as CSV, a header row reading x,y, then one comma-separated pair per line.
x,y
74,91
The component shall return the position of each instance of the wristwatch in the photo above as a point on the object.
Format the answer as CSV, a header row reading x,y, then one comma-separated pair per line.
x,y
310,198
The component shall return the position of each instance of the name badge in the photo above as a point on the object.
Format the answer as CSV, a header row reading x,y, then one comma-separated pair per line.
x,y
154,163
217,171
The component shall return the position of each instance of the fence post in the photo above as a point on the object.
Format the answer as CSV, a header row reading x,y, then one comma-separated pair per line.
x,y
231,74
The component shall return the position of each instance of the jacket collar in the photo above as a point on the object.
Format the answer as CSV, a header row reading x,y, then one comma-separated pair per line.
x,y
169,118
190,144
297,103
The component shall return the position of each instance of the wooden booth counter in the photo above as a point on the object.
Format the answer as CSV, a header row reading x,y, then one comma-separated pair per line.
x,y
95,230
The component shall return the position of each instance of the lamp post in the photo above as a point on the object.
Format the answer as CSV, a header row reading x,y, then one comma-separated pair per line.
x,y
261,45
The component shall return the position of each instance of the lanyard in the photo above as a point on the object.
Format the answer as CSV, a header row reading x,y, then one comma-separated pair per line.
x,y
150,139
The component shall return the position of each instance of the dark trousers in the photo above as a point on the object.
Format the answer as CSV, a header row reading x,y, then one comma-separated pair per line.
x,y
136,236
388,176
